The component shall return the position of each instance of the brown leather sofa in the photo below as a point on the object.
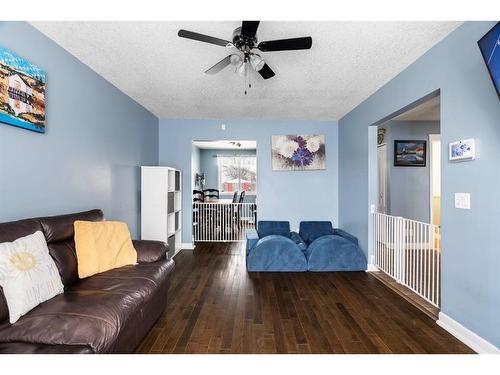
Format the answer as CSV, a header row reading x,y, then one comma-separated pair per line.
x,y
110,312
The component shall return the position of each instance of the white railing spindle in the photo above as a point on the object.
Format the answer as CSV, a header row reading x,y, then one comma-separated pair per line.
x,y
409,251
222,222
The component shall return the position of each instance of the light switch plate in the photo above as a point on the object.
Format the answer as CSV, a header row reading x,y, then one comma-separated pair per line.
x,y
462,200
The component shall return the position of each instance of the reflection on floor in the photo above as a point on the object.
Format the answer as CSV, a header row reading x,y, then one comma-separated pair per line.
x,y
215,306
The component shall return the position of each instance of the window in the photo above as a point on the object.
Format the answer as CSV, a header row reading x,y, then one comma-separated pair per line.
x,y
237,173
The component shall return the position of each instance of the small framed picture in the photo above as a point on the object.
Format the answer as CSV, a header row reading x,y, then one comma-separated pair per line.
x,y
410,153
462,150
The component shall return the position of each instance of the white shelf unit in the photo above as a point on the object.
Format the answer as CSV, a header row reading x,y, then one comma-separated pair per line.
x,y
161,206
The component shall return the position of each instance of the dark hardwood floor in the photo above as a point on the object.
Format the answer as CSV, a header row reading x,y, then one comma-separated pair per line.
x,y
215,306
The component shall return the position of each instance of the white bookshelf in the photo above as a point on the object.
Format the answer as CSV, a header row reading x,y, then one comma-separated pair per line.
x,y
161,206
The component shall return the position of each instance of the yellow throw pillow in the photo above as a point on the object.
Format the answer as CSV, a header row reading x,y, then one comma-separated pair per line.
x,y
102,246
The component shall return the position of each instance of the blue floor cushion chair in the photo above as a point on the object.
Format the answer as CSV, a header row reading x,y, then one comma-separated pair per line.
x,y
317,247
271,248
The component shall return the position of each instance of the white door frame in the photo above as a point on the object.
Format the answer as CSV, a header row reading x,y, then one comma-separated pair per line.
x,y
384,147
432,137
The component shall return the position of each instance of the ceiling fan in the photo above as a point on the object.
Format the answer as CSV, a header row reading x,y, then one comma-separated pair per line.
x,y
245,40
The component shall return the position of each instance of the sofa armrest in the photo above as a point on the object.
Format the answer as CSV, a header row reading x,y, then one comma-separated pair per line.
x,y
150,251
252,239
295,237
344,234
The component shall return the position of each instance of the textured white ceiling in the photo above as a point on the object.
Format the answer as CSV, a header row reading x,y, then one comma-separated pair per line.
x,y
347,63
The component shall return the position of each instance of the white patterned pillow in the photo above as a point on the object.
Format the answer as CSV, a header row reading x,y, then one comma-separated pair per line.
x,y
28,275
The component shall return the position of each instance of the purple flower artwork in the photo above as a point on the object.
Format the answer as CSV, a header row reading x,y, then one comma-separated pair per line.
x,y
298,152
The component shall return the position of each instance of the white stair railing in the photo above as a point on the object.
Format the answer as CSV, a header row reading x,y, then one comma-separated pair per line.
x,y
223,222
409,251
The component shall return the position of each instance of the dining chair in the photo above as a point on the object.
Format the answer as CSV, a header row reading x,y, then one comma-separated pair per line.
x,y
240,206
211,193
242,196
198,196
235,197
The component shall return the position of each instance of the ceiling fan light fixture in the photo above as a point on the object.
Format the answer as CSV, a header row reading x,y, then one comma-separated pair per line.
x,y
236,60
242,70
257,62
245,41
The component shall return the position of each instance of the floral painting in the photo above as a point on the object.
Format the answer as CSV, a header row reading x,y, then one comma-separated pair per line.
x,y
298,152
22,92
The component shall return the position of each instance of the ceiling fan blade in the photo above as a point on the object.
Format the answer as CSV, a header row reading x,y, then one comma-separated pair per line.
x,y
266,72
286,44
249,28
202,38
219,66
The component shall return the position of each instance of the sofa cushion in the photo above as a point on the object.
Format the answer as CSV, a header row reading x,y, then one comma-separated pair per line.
x,y
28,348
4,309
267,228
60,228
311,230
59,233
64,255
94,311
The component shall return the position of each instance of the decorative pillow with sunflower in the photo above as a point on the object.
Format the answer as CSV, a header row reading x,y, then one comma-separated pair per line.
x,y
28,275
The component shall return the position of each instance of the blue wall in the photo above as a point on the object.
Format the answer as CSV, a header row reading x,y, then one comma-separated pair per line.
x,y
409,187
96,139
280,194
210,167
469,109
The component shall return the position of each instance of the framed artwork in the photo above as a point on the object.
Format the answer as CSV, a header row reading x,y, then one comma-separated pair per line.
x,y
298,152
410,153
22,92
462,150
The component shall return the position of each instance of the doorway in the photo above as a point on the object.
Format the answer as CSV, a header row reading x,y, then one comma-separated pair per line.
x,y
408,164
405,218
224,186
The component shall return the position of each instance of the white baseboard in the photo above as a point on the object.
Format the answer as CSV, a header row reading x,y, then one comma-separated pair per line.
x,y
372,268
187,246
465,335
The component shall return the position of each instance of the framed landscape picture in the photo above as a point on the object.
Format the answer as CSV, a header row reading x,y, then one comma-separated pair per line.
x,y
410,153
298,152
22,92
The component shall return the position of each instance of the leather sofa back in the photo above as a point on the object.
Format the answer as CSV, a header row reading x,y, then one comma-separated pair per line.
x,y
59,233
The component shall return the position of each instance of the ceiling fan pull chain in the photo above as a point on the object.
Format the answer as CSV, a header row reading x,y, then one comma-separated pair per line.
x,y
245,84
